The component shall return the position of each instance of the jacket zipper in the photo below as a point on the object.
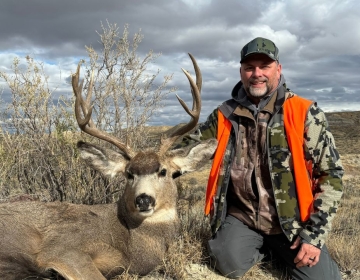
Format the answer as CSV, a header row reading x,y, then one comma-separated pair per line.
x,y
257,225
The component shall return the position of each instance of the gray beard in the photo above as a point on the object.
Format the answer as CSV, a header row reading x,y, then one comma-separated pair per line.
x,y
258,93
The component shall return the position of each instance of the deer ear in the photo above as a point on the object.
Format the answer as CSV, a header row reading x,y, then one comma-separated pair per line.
x,y
106,161
193,158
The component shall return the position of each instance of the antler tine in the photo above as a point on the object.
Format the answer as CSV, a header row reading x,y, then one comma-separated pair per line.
x,y
197,72
194,113
83,107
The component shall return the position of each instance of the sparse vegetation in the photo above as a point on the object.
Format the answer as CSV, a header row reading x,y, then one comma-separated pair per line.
x,y
39,135
39,159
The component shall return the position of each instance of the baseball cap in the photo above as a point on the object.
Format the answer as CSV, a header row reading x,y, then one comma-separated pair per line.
x,y
260,45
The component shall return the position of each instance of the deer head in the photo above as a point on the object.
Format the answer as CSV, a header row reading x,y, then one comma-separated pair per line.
x,y
132,235
150,188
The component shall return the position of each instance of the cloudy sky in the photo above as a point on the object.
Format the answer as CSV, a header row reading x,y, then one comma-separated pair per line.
x,y
319,42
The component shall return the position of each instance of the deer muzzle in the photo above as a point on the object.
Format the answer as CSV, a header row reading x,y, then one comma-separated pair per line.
x,y
144,202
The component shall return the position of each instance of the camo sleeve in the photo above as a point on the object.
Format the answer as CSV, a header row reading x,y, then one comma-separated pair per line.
x,y
205,130
208,129
327,175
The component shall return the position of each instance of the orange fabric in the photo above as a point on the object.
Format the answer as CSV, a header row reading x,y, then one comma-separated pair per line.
x,y
223,133
295,111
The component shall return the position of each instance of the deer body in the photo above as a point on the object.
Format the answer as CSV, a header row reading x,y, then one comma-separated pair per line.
x,y
43,236
78,241
96,242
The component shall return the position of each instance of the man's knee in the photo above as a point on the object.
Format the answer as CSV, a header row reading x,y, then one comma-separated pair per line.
x,y
223,261
234,249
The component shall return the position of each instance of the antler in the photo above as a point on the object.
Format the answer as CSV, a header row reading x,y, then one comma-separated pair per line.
x,y
194,113
86,124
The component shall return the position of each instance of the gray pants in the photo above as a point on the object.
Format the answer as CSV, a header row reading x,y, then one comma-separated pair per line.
x,y
236,248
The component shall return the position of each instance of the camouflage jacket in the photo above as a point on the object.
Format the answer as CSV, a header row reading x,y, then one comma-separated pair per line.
x,y
319,147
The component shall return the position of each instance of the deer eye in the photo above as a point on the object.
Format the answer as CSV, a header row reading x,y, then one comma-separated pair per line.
x,y
129,176
162,172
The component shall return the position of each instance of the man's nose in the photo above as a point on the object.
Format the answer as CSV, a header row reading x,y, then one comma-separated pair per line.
x,y
257,72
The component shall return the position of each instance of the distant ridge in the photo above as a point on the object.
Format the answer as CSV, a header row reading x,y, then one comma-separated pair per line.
x,y
345,126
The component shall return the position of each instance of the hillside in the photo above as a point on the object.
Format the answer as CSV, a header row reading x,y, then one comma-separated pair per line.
x,y
345,127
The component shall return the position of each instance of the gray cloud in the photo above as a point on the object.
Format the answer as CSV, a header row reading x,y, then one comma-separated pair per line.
x,y
318,42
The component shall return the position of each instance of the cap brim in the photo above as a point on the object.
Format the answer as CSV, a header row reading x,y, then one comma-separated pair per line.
x,y
257,52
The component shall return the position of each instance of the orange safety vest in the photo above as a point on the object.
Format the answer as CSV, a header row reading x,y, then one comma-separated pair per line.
x,y
295,111
223,134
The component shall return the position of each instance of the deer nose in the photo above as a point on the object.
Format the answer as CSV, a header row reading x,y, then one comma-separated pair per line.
x,y
144,201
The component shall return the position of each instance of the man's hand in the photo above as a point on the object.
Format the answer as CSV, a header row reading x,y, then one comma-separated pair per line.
x,y
308,255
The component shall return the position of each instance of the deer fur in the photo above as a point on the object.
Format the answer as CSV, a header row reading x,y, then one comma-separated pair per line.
x,y
96,242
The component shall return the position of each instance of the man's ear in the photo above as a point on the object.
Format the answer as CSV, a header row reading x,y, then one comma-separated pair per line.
x,y
279,67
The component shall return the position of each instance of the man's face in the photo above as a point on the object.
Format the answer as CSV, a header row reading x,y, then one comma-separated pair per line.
x,y
260,75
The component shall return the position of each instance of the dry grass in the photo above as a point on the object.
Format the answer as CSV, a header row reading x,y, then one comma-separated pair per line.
x,y
343,242
187,257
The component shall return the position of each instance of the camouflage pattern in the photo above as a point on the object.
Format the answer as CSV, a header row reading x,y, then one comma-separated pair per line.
x,y
260,45
251,197
319,147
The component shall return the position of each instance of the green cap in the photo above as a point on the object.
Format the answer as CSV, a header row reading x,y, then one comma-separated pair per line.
x,y
260,45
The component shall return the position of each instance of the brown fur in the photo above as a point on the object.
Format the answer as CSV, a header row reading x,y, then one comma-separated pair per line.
x,y
98,241
144,163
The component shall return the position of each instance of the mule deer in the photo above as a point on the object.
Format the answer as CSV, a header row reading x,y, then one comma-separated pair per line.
x,y
99,241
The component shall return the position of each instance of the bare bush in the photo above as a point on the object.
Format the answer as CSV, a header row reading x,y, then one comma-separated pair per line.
x,y
34,160
127,93
38,140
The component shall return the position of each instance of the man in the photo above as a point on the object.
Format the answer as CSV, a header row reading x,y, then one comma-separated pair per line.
x,y
276,181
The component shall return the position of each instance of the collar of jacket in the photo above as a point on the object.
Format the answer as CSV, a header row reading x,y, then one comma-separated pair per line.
x,y
228,107
243,99
269,107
